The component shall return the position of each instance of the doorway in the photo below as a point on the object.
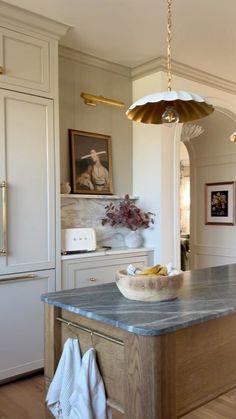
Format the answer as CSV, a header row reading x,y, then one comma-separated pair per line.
x,y
184,208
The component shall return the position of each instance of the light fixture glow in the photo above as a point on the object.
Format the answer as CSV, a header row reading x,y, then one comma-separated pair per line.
x,y
155,108
170,117
233,137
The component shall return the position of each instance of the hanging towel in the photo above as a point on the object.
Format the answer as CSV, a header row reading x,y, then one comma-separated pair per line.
x,y
88,400
64,380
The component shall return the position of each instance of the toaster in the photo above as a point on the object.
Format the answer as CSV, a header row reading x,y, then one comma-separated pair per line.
x,y
78,240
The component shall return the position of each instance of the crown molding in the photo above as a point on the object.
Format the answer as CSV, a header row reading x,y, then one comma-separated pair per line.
x,y
158,64
183,70
83,58
12,15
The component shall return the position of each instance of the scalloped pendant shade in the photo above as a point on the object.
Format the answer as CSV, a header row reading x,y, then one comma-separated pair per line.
x,y
150,109
169,107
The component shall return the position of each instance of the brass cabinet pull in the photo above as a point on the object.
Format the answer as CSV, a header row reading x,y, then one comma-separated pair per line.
x,y
16,278
1,69
3,186
92,279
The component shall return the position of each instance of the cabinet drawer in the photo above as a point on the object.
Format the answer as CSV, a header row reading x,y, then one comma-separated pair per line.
x,y
76,274
24,62
21,326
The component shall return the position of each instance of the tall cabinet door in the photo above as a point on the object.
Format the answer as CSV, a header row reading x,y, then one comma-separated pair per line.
x,y
27,190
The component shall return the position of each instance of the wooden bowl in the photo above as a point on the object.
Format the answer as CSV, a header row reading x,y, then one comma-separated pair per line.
x,y
149,287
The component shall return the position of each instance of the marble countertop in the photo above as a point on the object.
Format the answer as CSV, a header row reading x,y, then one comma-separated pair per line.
x,y
104,252
207,294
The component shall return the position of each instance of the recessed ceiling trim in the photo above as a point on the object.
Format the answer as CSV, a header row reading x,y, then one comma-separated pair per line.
x,y
183,70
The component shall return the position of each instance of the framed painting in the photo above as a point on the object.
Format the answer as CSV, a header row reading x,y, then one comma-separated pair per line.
x,y
219,203
90,163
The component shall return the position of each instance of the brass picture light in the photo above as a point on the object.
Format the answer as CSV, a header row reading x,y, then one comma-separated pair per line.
x,y
92,100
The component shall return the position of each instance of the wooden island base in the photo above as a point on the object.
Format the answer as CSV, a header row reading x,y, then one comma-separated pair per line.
x,y
151,377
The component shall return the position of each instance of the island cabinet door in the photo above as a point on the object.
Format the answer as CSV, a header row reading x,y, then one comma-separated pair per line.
x,y
21,326
27,190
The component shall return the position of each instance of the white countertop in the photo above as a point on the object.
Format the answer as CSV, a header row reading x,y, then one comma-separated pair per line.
x,y
103,252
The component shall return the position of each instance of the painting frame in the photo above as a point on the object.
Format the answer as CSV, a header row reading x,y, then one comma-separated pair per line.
x,y
90,163
220,203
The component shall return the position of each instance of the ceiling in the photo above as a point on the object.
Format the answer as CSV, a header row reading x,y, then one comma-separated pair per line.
x,y
133,32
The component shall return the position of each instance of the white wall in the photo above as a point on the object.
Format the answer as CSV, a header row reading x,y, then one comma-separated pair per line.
x,y
76,76
213,159
156,165
154,155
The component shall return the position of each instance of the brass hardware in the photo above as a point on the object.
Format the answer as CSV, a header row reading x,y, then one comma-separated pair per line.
x,y
90,331
92,100
8,279
92,279
115,406
1,69
3,186
233,137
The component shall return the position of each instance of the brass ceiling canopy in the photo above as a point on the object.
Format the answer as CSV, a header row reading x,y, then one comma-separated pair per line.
x,y
169,107
92,100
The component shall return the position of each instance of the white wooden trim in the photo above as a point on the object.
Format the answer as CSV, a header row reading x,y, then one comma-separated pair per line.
x,y
93,61
21,18
183,70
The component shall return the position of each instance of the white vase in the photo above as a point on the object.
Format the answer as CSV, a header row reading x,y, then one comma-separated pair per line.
x,y
65,187
134,239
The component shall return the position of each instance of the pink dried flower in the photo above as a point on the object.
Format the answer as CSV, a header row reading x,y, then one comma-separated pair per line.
x,y
128,215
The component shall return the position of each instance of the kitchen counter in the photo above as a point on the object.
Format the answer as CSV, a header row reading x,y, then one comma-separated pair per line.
x,y
166,358
206,294
101,251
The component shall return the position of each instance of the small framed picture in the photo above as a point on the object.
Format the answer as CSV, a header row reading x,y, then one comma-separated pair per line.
x,y
219,203
90,163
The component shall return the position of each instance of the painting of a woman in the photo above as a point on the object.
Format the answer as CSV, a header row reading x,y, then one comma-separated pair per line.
x,y
90,163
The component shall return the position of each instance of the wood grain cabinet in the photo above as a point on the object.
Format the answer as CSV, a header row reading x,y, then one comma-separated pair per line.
x,y
92,270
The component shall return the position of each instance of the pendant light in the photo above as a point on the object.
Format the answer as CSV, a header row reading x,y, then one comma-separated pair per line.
x,y
169,107
233,137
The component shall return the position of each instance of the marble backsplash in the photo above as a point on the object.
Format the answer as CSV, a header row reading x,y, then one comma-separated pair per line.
x,y
87,212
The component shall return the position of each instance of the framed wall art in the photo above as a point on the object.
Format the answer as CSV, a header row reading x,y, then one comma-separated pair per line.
x,y
220,203
90,163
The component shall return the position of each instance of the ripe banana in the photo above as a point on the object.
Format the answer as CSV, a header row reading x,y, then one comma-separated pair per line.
x,y
154,270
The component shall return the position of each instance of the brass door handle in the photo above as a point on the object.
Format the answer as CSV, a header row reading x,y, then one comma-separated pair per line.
x,y
7,279
1,69
3,186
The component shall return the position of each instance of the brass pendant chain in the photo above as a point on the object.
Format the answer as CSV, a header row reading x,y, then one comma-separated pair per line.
x,y
169,35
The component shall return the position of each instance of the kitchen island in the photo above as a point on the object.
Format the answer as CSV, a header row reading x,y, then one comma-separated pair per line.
x,y
158,360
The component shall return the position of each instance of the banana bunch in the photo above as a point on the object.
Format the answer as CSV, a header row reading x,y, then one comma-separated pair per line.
x,y
154,270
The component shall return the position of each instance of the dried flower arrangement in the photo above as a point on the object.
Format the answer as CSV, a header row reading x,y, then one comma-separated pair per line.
x,y
128,215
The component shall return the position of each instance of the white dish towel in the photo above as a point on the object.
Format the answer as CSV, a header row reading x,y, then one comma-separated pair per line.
x,y
88,400
63,383
77,389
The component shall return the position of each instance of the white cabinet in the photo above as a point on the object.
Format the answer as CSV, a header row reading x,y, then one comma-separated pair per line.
x,y
27,203
98,269
24,61
21,326
29,182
